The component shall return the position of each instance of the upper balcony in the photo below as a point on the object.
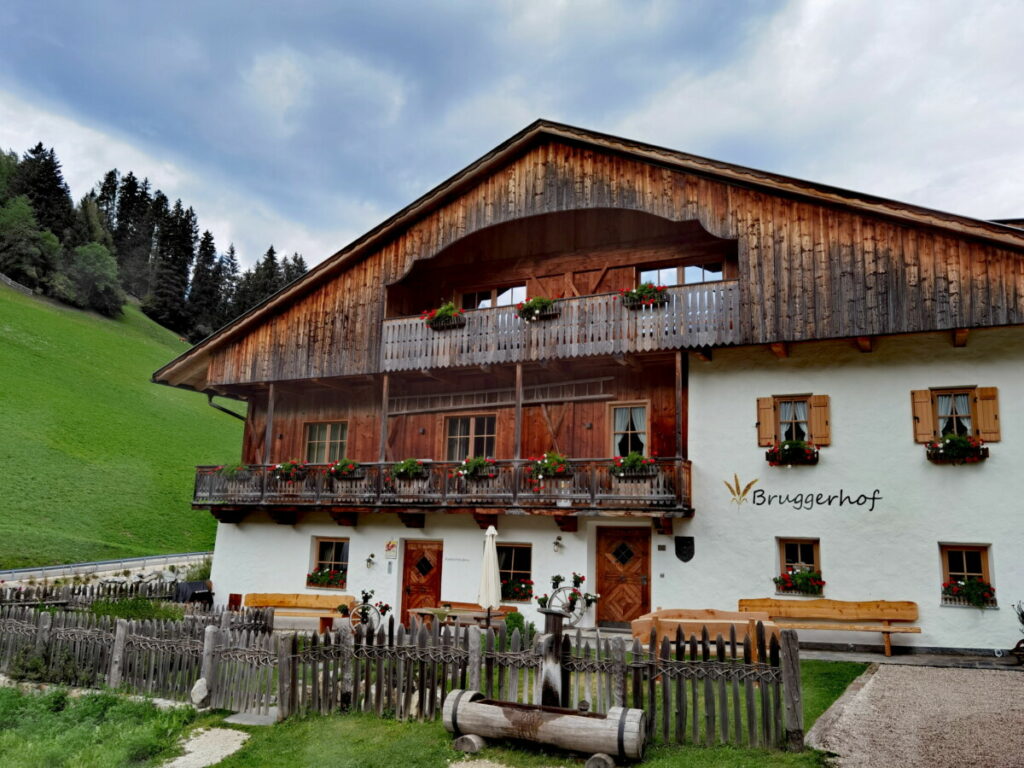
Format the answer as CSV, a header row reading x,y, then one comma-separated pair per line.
x,y
706,314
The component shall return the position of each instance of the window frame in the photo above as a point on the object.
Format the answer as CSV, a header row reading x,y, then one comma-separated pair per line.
x,y
511,572
778,400
494,291
945,549
327,460
472,432
315,562
816,551
681,272
646,405
972,404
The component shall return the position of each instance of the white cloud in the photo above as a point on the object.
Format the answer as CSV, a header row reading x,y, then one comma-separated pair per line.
x,y
277,86
231,212
914,101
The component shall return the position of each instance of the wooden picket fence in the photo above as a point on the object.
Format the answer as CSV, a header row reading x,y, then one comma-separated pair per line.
x,y
695,690
83,595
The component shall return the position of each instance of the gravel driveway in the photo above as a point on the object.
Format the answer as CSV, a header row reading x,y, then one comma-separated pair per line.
x,y
930,717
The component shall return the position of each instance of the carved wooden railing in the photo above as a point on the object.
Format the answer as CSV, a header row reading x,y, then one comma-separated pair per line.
x,y
694,316
589,484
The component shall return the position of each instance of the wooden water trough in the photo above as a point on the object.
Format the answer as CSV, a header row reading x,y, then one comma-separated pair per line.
x,y
621,733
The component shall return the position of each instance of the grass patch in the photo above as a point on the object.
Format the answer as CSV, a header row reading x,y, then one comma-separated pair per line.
x,y
100,730
360,740
98,460
138,608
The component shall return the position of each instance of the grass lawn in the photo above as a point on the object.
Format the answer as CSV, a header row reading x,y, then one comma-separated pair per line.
x,y
96,731
98,462
363,741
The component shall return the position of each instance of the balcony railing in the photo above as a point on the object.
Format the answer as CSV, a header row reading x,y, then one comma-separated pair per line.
x,y
590,485
695,316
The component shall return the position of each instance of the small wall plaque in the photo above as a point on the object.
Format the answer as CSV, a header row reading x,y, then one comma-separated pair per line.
x,y
684,548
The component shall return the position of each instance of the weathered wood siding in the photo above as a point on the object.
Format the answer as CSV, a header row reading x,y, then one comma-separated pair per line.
x,y
806,270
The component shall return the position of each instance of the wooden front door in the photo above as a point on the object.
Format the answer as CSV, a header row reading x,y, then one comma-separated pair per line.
x,y
623,574
421,576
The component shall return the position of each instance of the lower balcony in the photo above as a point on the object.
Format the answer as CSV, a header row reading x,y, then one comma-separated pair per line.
x,y
589,489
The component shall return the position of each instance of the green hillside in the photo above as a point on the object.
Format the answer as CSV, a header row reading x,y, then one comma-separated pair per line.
x,y
95,461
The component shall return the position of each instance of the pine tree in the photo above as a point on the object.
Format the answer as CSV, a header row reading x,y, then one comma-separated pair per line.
x,y
39,177
228,286
205,292
136,215
267,276
88,226
8,166
175,252
106,199
293,268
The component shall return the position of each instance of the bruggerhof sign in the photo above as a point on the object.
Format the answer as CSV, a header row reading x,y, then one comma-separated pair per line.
x,y
743,493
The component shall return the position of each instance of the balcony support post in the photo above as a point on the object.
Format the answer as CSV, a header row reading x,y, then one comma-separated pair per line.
x,y
679,403
268,434
385,386
518,435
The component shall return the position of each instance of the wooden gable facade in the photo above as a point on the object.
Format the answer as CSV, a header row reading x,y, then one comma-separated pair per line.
x,y
575,215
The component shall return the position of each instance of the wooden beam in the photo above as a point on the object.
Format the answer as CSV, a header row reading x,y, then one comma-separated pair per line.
x,y
430,375
662,525
600,277
679,403
228,514
283,515
484,520
518,437
960,337
268,432
780,349
351,519
866,343
413,519
572,283
703,353
567,523
385,386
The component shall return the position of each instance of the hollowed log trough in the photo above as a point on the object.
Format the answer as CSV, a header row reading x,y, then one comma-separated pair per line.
x,y
622,733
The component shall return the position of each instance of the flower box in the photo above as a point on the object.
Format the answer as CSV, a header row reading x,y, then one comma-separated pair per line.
x,y
792,452
355,474
537,308
799,581
939,454
631,302
447,323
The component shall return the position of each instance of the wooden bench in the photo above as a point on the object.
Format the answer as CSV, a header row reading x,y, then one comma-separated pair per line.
x,y
322,607
497,614
692,621
838,615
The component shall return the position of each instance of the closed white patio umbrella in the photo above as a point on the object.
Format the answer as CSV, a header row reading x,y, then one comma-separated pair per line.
x,y
489,595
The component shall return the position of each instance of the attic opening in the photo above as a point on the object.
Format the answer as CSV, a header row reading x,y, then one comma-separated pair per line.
x,y
560,255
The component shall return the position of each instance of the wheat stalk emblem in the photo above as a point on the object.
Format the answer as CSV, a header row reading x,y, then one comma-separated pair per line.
x,y
739,492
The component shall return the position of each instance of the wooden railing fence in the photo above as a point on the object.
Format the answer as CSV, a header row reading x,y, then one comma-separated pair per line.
x,y
695,690
83,595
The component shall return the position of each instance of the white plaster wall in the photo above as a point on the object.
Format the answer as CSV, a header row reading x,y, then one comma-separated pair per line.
x,y
891,553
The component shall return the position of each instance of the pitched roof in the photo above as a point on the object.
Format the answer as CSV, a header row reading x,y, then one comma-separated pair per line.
x,y
1000,233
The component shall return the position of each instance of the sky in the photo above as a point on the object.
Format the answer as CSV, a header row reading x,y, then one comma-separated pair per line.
x,y
304,124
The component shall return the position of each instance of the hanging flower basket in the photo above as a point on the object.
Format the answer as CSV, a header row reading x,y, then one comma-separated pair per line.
x,y
792,452
644,295
957,449
538,308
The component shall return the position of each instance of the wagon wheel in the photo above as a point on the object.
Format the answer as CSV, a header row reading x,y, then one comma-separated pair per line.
x,y
366,614
559,601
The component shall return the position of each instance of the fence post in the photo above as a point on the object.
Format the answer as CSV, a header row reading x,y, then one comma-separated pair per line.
x,y
347,643
285,676
43,633
117,655
211,639
475,658
225,619
794,704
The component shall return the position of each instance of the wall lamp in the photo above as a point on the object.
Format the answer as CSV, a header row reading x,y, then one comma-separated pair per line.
x,y
559,546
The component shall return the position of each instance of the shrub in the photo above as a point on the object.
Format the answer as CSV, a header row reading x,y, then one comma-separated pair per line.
x,y
199,571
138,608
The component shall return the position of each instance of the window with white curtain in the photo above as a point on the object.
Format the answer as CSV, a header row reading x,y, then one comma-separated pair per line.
x,y
953,413
629,429
793,420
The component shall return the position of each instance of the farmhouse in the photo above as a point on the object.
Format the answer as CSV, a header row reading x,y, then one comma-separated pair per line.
x,y
820,391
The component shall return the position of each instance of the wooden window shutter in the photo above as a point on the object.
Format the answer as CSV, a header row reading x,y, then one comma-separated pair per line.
x,y
765,421
820,424
924,415
988,413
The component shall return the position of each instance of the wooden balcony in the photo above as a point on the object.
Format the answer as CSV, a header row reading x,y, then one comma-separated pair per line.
x,y
590,489
695,316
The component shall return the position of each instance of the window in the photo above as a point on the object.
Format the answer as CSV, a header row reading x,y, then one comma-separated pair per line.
x,y
494,297
326,441
799,554
963,562
793,417
515,566
964,411
694,273
629,429
330,564
470,436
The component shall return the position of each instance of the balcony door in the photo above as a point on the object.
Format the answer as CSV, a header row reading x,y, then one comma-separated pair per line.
x,y
623,575
421,576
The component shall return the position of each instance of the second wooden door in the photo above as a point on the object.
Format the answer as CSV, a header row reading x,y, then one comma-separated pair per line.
x,y
421,576
623,574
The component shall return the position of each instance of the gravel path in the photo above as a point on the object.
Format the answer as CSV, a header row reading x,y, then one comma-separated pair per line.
x,y
928,717
208,747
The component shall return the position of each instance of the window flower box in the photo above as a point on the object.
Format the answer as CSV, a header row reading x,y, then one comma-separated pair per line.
x,y
409,469
792,452
476,468
799,581
445,317
345,469
957,449
325,578
290,471
973,591
644,295
633,467
538,308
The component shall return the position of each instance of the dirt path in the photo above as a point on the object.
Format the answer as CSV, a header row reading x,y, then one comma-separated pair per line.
x,y
928,717
208,746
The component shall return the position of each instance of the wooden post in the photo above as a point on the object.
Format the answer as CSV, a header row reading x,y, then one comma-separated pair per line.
x,y
679,403
385,393
117,655
346,655
43,633
518,436
474,658
285,676
268,434
794,700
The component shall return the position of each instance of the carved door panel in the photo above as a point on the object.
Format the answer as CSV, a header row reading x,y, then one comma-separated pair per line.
x,y
421,576
623,574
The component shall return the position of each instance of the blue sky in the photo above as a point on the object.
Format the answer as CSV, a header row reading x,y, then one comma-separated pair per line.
x,y
305,123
